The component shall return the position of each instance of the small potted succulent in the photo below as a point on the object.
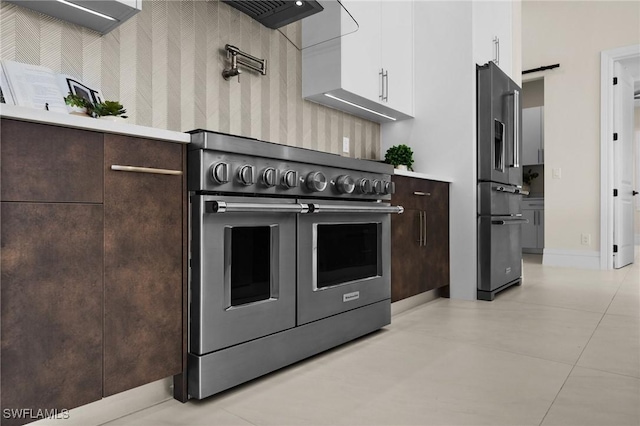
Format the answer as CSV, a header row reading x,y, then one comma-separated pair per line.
x,y
109,110
78,105
401,156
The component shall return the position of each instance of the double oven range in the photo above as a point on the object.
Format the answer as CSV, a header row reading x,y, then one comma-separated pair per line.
x,y
290,256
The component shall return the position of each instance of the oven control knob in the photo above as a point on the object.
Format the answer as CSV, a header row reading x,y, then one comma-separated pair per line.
x,y
345,184
269,177
389,187
378,186
364,186
316,181
290,179
220,172
246,174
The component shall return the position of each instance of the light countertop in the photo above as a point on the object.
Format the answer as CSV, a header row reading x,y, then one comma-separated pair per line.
x,y
426,176
88,123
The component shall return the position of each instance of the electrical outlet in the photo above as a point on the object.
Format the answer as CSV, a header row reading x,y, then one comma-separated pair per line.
x,y
585,239
345,145
557,173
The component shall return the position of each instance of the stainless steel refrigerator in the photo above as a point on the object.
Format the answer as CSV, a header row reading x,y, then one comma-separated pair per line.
x,y
499,181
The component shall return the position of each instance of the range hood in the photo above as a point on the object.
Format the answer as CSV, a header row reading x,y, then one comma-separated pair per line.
x,y
275,14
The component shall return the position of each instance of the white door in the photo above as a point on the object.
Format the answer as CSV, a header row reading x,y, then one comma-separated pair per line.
x,y
623,232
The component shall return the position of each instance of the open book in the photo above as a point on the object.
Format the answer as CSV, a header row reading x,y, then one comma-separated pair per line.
x,y
38,87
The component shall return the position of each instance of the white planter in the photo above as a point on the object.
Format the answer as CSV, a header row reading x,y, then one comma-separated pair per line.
x,y
401,167
75,110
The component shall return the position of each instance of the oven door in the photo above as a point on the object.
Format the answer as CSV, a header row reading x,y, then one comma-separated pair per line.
x,y
243,269
343,257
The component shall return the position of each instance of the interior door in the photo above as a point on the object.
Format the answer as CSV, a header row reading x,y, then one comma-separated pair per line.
x,y
623,229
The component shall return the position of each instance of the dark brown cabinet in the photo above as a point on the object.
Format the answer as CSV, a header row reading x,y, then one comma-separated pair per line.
x,y
419,237
92,290
143,263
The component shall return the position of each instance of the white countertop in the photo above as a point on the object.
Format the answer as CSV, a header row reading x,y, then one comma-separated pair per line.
x,y
88,123
422,175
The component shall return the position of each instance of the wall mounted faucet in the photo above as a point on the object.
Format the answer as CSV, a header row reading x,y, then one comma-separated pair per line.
x,y
251,62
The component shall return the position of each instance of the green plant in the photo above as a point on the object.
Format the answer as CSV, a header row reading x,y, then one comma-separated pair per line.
x,y
399,154
527,177
76,101
115,108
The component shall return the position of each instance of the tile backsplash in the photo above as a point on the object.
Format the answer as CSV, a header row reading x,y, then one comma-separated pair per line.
x,y
164,65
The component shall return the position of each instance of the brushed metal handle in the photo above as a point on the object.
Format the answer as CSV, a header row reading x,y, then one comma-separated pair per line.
x,y
420,193
420,229
385,76
381,74
340,208
150,170
224,207
424,239
516,128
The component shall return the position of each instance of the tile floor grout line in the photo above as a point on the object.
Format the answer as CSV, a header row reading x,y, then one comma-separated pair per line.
x,y
237,415
577,361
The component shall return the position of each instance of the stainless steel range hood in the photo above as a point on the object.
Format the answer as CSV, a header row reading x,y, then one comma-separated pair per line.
x,y
275,14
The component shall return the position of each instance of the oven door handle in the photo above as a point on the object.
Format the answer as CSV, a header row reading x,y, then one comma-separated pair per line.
x,y
345,208
224,207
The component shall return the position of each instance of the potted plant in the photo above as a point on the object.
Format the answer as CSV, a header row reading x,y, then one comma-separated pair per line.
x,y
77,104
109,110
527,177
401,156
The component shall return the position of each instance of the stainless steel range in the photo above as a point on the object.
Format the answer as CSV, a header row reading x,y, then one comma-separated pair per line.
x,y
289,256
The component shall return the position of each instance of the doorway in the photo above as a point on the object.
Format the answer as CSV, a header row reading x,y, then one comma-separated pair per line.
x,y
615,230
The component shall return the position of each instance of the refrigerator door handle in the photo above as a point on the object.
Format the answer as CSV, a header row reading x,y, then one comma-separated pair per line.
x,y
516,128
506,189
518,221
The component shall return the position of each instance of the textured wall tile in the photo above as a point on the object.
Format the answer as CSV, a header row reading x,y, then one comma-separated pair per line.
x,y
159,63
8,33
165,66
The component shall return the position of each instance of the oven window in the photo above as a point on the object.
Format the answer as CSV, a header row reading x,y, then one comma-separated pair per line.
x,y
346,252
250,264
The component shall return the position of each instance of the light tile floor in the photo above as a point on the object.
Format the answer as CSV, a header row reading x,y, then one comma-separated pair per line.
x,y
562,349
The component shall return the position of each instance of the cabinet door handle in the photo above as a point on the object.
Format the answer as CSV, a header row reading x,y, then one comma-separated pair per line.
x,y
496,50
386,86
424,239
151,170
381,74
420,193
420,229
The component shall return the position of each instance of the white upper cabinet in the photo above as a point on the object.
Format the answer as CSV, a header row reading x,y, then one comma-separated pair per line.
x,y
533,136
492,34
99,15
368,72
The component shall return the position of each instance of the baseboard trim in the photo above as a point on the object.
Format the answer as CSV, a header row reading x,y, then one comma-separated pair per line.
x,y
116,406
411,302
581,259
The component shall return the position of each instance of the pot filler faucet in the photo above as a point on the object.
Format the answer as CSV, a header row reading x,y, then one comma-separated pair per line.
x,y
256,64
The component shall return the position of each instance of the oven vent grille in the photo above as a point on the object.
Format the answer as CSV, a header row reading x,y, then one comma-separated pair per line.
x,y
275,14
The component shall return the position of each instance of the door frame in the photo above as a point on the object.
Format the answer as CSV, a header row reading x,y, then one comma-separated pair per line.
x,y
607,60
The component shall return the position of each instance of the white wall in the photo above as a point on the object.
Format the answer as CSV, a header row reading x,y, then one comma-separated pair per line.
x,y
573,34
636,156
442,135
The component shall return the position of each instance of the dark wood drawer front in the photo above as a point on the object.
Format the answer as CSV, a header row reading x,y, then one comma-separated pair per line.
x,y
143,264
46,163
411,193
51,305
